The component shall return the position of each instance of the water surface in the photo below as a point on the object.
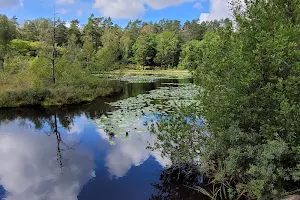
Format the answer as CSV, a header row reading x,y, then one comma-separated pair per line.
x,y
63,153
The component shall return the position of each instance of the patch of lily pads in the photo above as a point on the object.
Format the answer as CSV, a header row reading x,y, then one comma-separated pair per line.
x,y
133,115
150,78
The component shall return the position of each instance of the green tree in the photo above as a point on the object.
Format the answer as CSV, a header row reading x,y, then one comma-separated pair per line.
x,y
170,25
87,54
61,34
7,33
191,55
126,45
30,31
93,31
74,31
167,49
134,28
108,56
144,49
192,30
72,50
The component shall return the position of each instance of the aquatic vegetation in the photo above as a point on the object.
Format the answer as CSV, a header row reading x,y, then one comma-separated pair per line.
x,y
152,78
133,115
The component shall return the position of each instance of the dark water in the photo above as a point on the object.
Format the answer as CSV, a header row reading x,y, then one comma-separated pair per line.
x,y
61,154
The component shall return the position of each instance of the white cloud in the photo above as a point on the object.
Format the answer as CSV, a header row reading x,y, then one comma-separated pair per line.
x,y
10,3
65,2
120,8
63,11
74,129
204,17
198,5
132,8
218,9
159,4
79,123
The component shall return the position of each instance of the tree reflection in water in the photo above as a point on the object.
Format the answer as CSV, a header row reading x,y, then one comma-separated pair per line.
x,y
60,142
173,187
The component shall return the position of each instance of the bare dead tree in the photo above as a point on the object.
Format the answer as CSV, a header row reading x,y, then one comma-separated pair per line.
x,y
53,47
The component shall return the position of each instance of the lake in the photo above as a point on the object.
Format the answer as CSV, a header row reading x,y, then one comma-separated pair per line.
x,y
88,152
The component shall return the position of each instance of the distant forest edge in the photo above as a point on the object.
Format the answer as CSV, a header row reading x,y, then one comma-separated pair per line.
x,y
100,45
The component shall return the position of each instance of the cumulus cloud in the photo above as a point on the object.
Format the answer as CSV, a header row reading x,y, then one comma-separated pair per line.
x,y
218,9
132,8
10,3
65,1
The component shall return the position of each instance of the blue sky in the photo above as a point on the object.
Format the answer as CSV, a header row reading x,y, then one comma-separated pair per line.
x,y
120,10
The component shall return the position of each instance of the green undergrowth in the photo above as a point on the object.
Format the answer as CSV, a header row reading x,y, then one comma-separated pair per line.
x,y
58,95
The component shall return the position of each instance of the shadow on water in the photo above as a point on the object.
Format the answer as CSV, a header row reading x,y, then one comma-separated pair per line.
x,y
172,187
76,173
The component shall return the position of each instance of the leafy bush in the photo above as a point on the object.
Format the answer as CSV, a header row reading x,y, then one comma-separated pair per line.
x,y
27,96
22,47
249,142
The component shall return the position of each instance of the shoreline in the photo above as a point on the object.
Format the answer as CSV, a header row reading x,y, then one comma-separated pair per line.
x,y
45,103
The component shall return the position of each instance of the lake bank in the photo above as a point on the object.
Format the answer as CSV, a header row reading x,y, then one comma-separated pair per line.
x,y
57,95
83,92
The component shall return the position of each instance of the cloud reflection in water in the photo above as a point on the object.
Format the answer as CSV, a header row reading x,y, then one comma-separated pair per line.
x,y
30,170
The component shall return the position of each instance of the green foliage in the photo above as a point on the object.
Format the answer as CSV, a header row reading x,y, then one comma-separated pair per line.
x,y
87,54
105,60
74,32
28,96
93,31
126,45
61,34
7,33
107,56
144,49
249,140
22,47
167,49
191,55
30,31
16,64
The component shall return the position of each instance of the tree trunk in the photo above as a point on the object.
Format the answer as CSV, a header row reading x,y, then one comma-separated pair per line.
x,y
53,50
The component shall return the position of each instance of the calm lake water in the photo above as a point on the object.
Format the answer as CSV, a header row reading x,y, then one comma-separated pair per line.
x,y
63,154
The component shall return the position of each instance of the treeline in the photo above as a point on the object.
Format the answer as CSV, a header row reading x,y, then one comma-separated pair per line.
x,y
99,45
